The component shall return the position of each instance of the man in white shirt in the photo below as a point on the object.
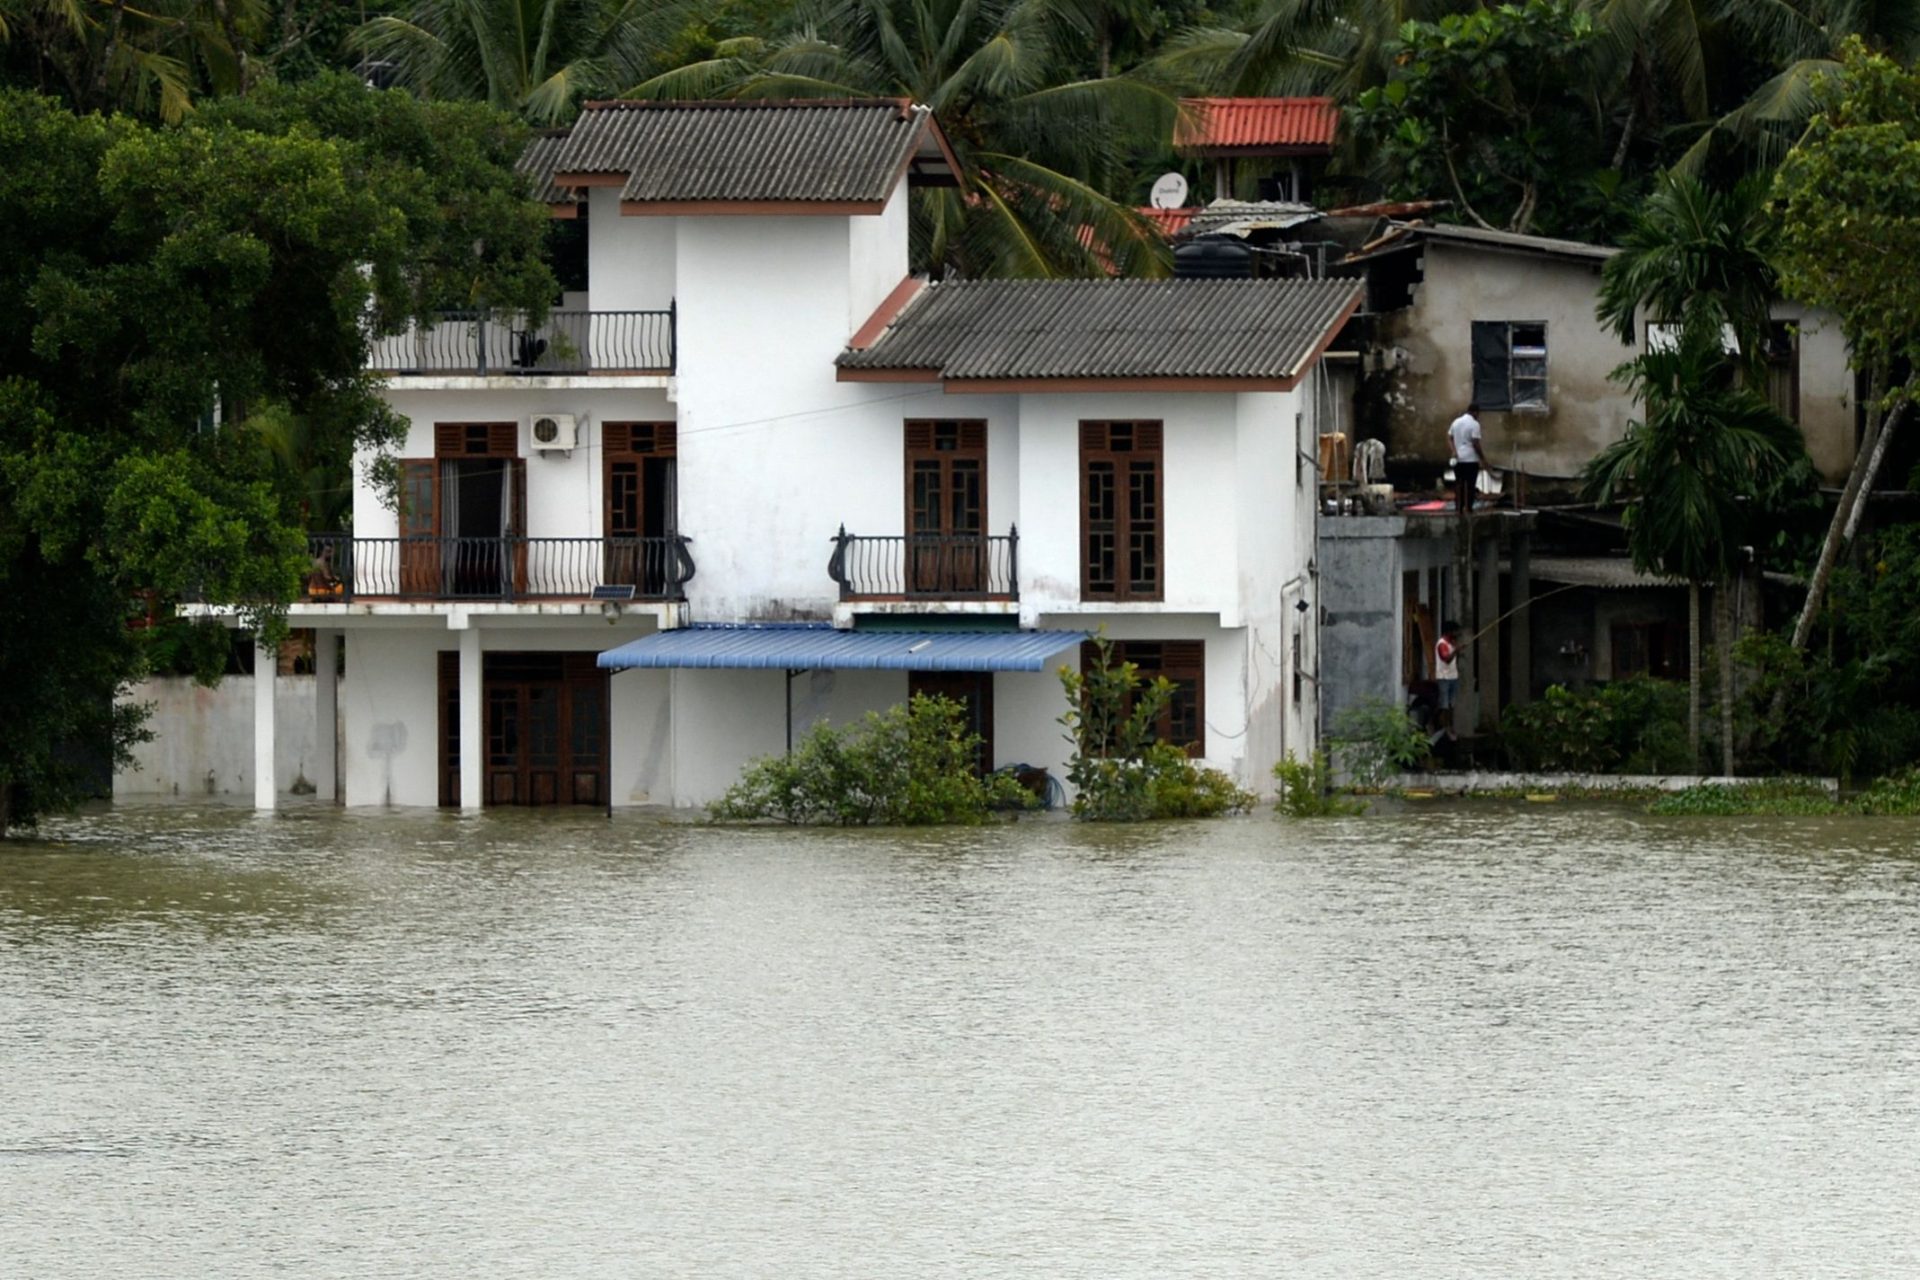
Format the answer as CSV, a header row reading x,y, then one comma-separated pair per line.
x,y
1464,435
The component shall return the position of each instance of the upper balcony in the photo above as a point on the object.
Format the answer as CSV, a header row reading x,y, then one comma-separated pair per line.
x,y
504,344
926,567
504,569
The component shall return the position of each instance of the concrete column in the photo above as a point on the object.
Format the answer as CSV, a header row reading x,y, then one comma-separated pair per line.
x,y
1486,664
326,713
472,718
266,676
1520,660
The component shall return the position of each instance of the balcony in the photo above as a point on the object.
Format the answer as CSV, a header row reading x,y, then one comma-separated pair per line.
x,y
927,566
347,568
502,344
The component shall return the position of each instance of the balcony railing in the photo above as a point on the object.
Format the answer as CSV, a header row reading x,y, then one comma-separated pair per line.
x,y
923,566
425,568
504,344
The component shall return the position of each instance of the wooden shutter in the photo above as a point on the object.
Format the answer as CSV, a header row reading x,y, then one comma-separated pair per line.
x,y
419,497
449,735
476,439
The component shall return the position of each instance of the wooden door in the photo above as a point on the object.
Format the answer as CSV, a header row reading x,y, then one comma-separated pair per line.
x,y
637,497
419,567
973,690
946,508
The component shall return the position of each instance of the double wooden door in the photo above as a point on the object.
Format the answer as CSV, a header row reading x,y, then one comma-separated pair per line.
x,y
544,729
946,553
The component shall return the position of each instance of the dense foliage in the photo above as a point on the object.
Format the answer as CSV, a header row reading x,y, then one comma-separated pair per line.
x,y
168,321
1306,790
913,765
1374,741
1636,725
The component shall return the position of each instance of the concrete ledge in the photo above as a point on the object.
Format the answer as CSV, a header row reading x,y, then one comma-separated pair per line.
x,y
1478,781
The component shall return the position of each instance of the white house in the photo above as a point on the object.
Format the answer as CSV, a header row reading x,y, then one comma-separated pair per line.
x,y
755,477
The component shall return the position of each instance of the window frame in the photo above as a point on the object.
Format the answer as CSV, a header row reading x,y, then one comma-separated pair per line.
x,y
1147,443
1484,375
1184,662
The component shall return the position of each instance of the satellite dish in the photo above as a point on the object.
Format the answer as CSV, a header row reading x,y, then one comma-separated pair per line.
x,y
1169,191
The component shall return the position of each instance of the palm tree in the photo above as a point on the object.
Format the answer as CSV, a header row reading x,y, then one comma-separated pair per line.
x,y
537,59
1691,471
152,58
1041,148
1691,247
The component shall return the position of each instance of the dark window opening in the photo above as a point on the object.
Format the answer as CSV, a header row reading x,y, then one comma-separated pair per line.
x,y
1183,662
1510,365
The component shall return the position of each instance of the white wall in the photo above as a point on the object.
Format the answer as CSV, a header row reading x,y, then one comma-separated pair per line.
x,y
563,489
877,256
203,737
1201,505
630,261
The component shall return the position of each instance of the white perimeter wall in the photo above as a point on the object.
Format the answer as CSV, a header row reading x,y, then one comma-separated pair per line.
x,y
203,737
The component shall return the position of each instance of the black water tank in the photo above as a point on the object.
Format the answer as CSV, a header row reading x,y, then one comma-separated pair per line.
x,y
1213,258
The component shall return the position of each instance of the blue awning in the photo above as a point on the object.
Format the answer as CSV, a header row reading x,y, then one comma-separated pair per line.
x,y
805,646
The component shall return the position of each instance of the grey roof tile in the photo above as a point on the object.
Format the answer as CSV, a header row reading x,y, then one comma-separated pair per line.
x,y
813,150
536,161
1005,329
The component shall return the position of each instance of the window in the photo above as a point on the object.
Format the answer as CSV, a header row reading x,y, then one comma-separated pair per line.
x,y
1121,511
1510,365
1782,352
1184,662
1656,649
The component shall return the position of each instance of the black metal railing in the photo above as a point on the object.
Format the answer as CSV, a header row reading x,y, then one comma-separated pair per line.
x,y
426,568
502,343
927,566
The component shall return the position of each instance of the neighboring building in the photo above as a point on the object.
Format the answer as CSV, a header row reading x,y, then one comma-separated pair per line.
x,y
769,480
1463,313
1282,144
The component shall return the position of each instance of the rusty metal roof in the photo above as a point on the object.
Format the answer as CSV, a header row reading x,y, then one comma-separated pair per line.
x,y
1253,126
807,150
1072,329
536,161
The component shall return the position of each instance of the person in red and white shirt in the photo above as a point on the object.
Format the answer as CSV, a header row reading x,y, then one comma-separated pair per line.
x,y
1446,669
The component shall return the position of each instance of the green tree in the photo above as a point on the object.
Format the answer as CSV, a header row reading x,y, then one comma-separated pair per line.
x,y
1043,148
157,280
1692,472
535,58
1848,198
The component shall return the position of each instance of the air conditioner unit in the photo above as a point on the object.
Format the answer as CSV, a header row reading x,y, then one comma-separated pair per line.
x,y
555,432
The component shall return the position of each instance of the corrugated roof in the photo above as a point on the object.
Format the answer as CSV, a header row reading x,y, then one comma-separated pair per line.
x,y
1004,329
1611,572
1249,125
813,150
800,646
537,162
1243,217
1514,240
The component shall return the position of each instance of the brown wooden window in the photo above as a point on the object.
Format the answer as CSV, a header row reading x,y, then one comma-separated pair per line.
x,y
1657,649
1122,511
473,488
1783,369
946,506
640,502
543,729
973,691
1184,662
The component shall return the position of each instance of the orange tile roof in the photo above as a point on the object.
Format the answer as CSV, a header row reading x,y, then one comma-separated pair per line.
x,y
1249,126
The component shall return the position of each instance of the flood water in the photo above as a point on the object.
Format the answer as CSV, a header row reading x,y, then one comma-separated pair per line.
x,y
1466,1040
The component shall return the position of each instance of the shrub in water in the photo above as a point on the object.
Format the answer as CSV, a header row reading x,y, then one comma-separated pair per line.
x,y
1119,772
1636,725
1375,740
911,765
1306,790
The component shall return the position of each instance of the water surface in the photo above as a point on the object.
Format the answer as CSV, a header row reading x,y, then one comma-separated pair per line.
x,y
1468,1040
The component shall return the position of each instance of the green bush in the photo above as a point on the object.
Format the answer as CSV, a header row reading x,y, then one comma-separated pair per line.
x,y
1306,790
1784,797
1896,794
909,766
1119,773
1636,725
1374,740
